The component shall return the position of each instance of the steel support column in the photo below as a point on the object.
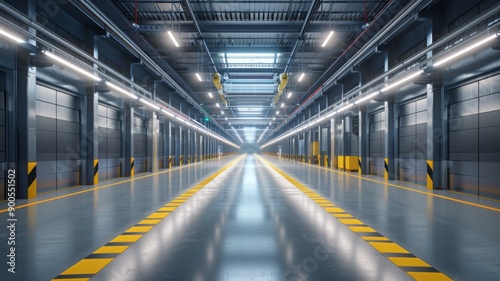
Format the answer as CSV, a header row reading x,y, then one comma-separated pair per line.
x,y
128,142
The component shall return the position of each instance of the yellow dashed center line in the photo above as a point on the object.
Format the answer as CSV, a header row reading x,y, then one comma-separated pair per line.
x,y
100,258
406,261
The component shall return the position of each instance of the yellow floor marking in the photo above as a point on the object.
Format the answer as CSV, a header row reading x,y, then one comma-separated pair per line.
x,y
126,238
99,187
362,229
326,204
429,276
319,201
351,221
374,241
158,215
334,210
87,266
111,250
409,262
173,204
342,215
167,209
412,189
178,200
146,221
375,238
384,247
72,279
139,229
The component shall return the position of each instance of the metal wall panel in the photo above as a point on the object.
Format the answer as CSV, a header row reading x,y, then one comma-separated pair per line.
x,y
412,154
110,142
161,148
474,130
58,139
140,144
376,144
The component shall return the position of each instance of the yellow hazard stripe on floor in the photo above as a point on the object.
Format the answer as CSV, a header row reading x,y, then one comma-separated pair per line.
x,y
412,265
89,266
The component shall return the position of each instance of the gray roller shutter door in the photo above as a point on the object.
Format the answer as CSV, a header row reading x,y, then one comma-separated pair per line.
x,y
110,142
412,154
58,139
473,138
140,144
376,145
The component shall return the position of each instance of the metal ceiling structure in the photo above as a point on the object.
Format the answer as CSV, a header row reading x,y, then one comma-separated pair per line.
x,y
250,44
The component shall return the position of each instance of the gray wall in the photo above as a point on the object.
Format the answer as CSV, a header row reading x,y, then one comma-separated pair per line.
x,y
376,145
110,141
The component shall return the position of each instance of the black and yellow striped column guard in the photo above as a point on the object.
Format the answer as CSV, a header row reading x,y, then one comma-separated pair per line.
x,y
32,180
132,166
89,266
96,171
359,166
169,161
386,169
430,174
402,258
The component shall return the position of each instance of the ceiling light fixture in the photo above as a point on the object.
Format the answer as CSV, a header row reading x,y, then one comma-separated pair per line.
x,y
367,97
327,39
217,104
283,104
10,36
73,66
277,112
173,38
180,119
465,50
397,83
198,76
289,95
150,104
121,90
222,112
168,113
301,76
210,95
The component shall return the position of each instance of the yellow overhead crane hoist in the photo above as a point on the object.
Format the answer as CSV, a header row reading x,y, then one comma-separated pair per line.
x,y
281,87
217,83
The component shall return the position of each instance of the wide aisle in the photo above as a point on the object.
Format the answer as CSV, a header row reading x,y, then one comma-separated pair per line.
x,y
250,224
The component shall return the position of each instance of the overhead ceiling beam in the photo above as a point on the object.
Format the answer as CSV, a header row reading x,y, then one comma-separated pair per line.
x,y
189,9
312,9
209,27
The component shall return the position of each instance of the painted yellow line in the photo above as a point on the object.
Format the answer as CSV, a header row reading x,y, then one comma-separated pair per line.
x,y
429,193
399,255
98,187
110,250
92,264
87,266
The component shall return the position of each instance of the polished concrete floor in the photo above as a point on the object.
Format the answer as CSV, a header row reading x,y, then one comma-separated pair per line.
x,y
248,222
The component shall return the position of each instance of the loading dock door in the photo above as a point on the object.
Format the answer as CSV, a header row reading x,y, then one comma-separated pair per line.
x,y
412,156
140,144
58,139
110,142
376,145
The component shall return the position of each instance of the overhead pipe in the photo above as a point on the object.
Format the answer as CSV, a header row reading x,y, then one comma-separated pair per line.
x,y
310,12
189,9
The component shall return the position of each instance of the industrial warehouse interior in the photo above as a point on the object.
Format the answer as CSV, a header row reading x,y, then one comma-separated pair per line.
x,y
249,140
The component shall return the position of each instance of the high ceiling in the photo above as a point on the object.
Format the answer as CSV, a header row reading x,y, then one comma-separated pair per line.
x,y
250,43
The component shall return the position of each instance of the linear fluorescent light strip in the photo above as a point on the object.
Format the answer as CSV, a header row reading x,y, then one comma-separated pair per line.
x,y
150,104
301,76
121,90
198,76
173,38
210,95
289,95
168,113
327,39
367,97
10,36
465,50
73,66
407,78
